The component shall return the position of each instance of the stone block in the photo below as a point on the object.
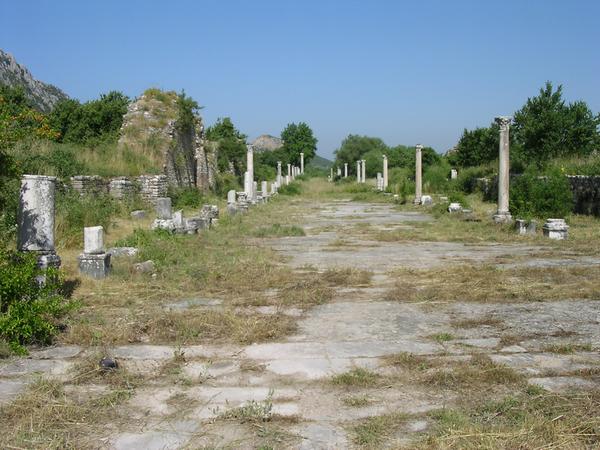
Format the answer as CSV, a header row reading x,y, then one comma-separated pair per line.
x,y
93,240
454,207
138,215
556,229
209,211
532,227
163,224
144,267
96,266
193,224
231,197
521,226
163,208
178,219
426,200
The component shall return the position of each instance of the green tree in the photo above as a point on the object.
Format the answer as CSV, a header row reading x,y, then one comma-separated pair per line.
x,y
546,127
298,139
91,122
354,147
476,147
231,144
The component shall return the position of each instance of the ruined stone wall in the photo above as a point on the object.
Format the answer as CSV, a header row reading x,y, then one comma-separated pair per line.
x,y
149,187
89,184
586,193
150,127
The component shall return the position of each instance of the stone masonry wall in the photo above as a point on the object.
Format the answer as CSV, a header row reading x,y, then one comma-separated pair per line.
x,y
149,187
586,193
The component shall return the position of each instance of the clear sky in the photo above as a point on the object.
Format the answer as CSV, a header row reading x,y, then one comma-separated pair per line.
x,y
407,72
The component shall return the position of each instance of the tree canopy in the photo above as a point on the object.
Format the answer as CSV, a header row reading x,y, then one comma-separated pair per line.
x,y
298,138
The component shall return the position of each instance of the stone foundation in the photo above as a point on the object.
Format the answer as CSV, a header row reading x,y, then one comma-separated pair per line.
x,y
96,266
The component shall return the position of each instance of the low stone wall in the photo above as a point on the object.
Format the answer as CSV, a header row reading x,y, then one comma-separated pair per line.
x,y
153,186
586,194
149,187
89,184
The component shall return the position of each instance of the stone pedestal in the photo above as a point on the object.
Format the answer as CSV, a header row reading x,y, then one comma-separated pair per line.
x,y
503,215
556,229
231,196
426,200
96,266
163,208
521,227
418,174
454,207
93,240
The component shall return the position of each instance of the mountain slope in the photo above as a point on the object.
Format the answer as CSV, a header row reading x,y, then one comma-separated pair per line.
x,y
43,96
320,163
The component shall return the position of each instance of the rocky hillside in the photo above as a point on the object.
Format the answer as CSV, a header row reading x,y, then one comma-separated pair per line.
x,y
266,142
42,95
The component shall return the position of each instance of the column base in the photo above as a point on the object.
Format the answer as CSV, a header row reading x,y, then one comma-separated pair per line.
x,y
503,217
417,201
95,266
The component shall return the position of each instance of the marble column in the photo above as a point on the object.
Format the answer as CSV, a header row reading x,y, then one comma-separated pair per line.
x,y
345,170
503,213
385,172
364,170
264,190
279,172
36,219
301,163
289,170
358,171
418,174
250,169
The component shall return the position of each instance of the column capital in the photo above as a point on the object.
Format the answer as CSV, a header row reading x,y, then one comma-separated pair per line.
x,y
419,147
384,156
503,121
249,148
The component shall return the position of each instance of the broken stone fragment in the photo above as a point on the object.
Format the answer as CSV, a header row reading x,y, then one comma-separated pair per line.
x,y
144,267
138,215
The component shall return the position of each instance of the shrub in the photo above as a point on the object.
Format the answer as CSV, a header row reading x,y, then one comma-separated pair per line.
x,y
436,178
534,196
74,212
187,197
224,182
291,189
29,310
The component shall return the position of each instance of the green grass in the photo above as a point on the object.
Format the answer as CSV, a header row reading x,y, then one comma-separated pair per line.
x,y
278,230
374,431
358,377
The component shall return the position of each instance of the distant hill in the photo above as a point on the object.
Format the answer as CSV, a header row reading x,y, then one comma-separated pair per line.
x,y
43,96
266,143
320,163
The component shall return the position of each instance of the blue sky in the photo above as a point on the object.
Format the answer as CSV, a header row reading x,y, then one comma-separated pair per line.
x,y
407,72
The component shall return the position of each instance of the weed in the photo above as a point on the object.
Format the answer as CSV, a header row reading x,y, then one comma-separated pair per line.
x,y
373,431
356,377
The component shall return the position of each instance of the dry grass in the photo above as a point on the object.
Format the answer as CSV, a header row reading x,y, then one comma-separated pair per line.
x,y
531,420
486,283
374,431
347,277
46,417
484,321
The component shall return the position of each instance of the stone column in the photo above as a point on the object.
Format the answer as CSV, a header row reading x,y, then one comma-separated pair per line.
x,y
339,172
345,170
418,175
301,163
254,185
36,219
358,171
331,173
364,170
385,172
231,197
279,172
453,174
264,190
250,169
503,214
